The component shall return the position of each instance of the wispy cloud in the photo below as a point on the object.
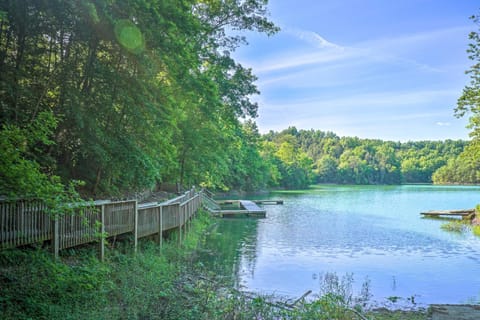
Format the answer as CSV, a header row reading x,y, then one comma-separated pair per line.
x,y
384,87
443,124
312,38
321,52
301,59
377,101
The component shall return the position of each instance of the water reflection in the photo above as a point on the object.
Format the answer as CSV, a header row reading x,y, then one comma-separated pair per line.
x,y
371,232
231,249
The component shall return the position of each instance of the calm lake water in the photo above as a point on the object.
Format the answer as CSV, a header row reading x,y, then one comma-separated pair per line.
x,y
374,233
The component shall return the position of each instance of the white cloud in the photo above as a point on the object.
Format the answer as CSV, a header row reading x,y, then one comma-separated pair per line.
x,y
443,124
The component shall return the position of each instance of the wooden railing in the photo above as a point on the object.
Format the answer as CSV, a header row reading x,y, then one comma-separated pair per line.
x,y
24,222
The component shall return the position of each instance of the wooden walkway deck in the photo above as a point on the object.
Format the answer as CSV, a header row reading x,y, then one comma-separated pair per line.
x,y
463,213
25,222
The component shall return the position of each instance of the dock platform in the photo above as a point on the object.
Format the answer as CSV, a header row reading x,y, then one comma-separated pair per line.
x,y
463,213
247,209
238,208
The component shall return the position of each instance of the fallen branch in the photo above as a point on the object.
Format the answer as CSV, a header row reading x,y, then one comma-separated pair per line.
x,y
292,305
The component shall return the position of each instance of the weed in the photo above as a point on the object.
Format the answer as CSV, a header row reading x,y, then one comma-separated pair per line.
x,y
457,226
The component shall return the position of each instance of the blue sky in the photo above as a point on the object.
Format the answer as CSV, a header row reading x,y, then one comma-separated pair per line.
x,y
388,69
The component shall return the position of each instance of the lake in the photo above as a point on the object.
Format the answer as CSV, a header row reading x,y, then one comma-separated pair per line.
x,y
374,234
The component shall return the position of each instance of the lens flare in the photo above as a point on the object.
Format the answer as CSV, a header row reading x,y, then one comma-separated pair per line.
x,y
129,36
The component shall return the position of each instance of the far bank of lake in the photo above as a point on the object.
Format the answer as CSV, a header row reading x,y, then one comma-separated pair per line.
x,y
374,233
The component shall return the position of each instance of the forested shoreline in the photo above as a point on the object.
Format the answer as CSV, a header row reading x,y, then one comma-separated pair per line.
x,y
328,158
110,97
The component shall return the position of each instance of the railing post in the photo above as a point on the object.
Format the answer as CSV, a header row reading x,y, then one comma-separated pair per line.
x,y
102,233
160,226
185,220
135,226
56,237
179,215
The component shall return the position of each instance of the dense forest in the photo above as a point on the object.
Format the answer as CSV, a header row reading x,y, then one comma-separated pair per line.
x,y
309,156
123,95
108,97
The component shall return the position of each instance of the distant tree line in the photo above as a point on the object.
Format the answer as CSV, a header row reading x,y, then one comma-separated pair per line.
x,y
323,157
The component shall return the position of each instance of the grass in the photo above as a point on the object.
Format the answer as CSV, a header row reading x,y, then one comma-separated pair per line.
x,y
457,226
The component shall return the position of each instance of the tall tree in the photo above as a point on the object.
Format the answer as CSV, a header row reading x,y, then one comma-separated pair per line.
x,y
469,101
140,91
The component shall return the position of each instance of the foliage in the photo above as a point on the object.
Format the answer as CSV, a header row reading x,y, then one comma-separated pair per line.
x,y
324,157
463,170
21,174
476,230
469,100
139,92
469,103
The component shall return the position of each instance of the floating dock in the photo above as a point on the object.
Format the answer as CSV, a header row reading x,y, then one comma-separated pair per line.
x,y
238,208
246,209
463,213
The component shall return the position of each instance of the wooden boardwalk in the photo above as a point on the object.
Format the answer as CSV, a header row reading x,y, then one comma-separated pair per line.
x,y
24,222
463,213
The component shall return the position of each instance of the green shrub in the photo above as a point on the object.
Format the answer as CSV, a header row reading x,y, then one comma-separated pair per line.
x,y
476,230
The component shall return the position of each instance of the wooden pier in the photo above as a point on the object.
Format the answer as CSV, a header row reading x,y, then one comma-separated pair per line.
x,y
246,209
243,208
462,213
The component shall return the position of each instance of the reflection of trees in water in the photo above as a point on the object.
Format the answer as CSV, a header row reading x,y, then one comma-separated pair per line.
x,y
231,248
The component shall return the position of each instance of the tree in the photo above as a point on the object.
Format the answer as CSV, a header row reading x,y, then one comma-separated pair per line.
x,y
141,91
469,101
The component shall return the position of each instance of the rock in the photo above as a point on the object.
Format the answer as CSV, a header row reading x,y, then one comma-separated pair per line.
x,y
455,312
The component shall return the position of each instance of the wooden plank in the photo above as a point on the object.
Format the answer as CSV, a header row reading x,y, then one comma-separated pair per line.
x,y
269,202
250,205
240,213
